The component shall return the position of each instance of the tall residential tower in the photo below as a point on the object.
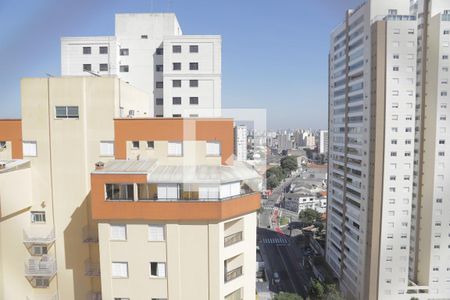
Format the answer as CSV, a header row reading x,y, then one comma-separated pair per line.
x,y
388,225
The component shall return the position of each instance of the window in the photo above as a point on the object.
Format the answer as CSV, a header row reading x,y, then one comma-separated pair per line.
x,y
66,112
236,295
410,31
445,57
441,142
193,83
38,217
86,50
124,69
446,32
155,232
193,100
175,149
159,84
159,101
176,49
135,144
193,48
157,269
39,250
395,69
87,67
41,282
119,270
193,66
159,68
150,144
29,148
176,83
213,148
392,12
119,192
396,56
2,145
107,148
118,232
124,52
176,100
176,115
176,66
103,68
103,50
159,51
121,298
144,36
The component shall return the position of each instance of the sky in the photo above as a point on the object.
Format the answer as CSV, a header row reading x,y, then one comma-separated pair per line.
x,y
274,52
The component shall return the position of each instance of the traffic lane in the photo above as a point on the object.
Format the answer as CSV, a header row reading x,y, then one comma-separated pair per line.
x,y
296,279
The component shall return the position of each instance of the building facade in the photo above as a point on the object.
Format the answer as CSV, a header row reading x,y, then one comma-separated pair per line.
x,y
240,142
180,73
108,205
387,234
323,141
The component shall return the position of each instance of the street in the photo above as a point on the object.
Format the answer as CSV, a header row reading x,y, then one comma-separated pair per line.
x,y
283,254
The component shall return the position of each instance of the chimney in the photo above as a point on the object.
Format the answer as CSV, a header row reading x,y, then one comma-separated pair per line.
x,y
99,165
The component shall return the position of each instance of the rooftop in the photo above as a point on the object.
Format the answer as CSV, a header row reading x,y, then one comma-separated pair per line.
x,y
157,173
12,165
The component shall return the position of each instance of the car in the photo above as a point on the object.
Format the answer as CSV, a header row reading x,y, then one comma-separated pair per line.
x,y
275,278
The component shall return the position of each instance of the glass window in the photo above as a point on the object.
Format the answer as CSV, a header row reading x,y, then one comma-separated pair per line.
x,y
193,100
193,83
119,192
107,148
175,149
124,68
159,101
176,100
176,49
86,50
119,269
29,148
156,232
159,51
159,68
176,66
38,217
158,269
193,48
124,52
159,84
118,232
103,67
193,66
213,148
87,67
103,50
176,83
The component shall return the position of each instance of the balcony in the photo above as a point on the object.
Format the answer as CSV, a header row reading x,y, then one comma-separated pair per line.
x,y
38,236
233,274
94,296
233,239
44,266
90,235
91,269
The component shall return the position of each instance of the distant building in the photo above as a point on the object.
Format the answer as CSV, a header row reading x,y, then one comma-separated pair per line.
x,y
323,144
240,142
299,201
310,141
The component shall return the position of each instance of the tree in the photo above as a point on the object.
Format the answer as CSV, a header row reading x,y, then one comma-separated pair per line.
x,y
309,216
287,296
272,182
332,293
316,290
289,163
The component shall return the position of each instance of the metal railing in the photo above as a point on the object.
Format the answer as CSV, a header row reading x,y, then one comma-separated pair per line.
x,y
233,239
44,266
91,269
90,235
233,274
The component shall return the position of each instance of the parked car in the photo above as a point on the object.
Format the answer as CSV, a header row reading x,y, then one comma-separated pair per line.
x,y
275,278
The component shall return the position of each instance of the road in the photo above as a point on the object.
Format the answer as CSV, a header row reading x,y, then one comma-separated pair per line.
x,y
282,254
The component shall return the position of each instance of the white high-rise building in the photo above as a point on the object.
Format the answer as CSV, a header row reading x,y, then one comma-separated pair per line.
x,y
181,73
240,142
388,222
323,141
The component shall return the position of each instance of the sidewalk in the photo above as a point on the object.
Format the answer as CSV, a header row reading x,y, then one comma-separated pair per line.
x,y
262,289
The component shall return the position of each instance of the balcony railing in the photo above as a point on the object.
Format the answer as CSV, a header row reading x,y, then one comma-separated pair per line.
x,y
43,267
233,239
233,274
39,236
91,269
90,235
94,296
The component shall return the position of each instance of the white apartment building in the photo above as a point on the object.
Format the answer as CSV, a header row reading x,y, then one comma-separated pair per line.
x,y
323,141
180,73
240,142
388,232
299,201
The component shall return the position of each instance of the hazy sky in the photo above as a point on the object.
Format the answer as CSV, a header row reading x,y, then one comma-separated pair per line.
x,y
274,52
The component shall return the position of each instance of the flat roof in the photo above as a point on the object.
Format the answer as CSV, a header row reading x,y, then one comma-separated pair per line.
x,y
160,173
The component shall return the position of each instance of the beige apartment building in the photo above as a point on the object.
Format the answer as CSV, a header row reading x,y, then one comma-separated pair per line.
x,y
94,206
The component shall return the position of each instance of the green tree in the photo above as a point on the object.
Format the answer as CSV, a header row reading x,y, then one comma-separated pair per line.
x,y
272,182
287,296
309,216
289,163
332,293
316,290
277,171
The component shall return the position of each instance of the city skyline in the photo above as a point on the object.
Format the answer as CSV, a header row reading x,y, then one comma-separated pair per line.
x,y
245,68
